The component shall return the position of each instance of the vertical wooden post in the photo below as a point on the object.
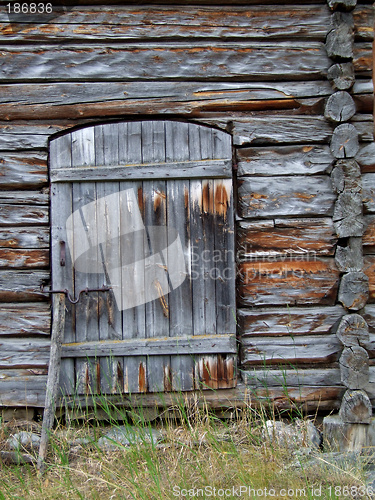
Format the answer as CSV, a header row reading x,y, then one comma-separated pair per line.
x,y
58,324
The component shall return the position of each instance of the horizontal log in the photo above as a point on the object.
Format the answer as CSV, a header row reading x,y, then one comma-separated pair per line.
x,y
22,390
284,160
177,170
24,353
285,196
24,237
368,192
271,377
369,315
362,59
80,100
344,143
21,197
289,321
23,170
366,157
340,107
349,256
369,269
342,76
356,407
354,367
199,344
22,286
25,319
291,351
368,240
21,215
24,258
286,236
251,61
288,282
339,42
267,128
129,23
347,215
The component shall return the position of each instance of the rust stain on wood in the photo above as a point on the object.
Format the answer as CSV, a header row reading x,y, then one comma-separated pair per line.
x,y
167,378
142,382
159,198
221,200
140,199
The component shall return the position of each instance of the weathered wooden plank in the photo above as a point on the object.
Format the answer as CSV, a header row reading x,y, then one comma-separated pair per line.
x,y
175,170
153,346
22,286
284,160
368,240
262,60
25,319
288,282
22,388
286,237
21,215
291,351
293,321
366,157
362,61
24,197
363,16
24,353
271,377
369,269
24,258
24,237
23,170
368,192
279,196
83,100
128,23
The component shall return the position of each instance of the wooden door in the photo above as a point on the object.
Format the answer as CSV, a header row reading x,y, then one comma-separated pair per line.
x,y
145,208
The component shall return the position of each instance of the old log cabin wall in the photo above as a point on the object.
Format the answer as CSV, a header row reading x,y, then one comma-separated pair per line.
x,y
258,71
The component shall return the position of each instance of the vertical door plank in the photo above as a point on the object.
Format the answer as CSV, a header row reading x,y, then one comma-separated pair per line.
x,y
178,218
62,277
157,310
108,224
85,224
133,319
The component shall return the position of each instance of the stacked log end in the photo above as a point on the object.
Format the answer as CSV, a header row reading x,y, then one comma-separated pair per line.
x,y
348,219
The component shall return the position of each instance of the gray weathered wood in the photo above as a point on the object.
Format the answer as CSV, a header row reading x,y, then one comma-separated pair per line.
x,y
58,325
342,76
292,320
354,367
111,99
22,286
346,175
21,215
284,160
349,258
362,59
368,239
345,437
285,196
342,4
24,237
347,215
24,353
344,143
356,407
368,192
353,330
369,269
262,60
25,319
339,43
354,290
182,170
23,170
288,237
291,377
153,346
340,107
127,23
283,282
366,157
291,351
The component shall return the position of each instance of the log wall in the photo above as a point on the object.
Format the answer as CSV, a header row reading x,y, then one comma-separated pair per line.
x,y
256,71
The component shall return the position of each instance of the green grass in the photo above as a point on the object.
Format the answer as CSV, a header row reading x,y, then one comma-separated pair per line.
x,y
199,453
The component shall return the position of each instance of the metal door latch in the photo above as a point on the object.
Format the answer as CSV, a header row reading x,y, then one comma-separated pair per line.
x,y
74,300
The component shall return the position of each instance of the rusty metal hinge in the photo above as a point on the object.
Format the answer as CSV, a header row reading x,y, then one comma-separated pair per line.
x,y
74,300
